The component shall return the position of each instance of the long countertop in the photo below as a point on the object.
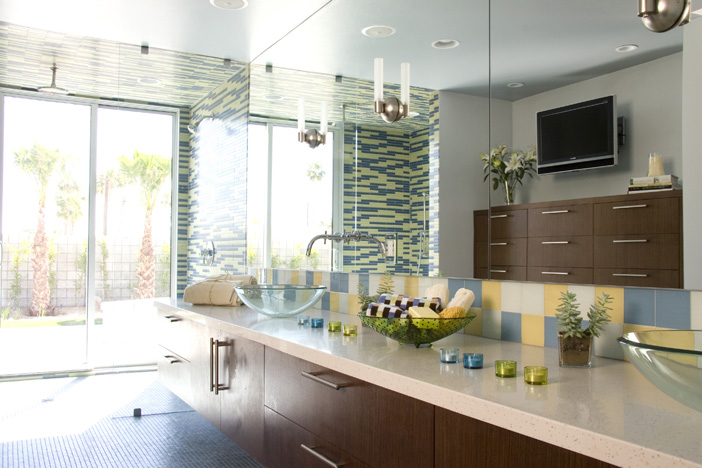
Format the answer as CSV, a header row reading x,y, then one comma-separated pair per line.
x,y
609,412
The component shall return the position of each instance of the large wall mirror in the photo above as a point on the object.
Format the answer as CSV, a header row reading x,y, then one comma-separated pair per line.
x,y
569,53
411,184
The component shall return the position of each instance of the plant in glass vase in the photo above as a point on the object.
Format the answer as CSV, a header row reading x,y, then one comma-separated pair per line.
x,y
575,343
508,168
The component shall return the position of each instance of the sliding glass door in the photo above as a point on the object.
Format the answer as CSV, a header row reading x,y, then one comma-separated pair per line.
x,y
86,233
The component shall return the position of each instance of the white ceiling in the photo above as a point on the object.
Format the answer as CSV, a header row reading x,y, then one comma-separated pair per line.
x,y
543,43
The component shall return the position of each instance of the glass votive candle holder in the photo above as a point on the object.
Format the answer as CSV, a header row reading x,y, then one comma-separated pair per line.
x,y
506,368
473,360
536,375
349,330
317,323
303,320
448,355
334,326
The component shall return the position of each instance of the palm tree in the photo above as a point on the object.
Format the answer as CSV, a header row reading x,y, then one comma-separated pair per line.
x,y
41,163
70,202
149,172
105,182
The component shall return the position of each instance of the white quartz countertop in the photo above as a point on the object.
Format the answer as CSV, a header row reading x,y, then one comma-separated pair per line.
x,y
609,412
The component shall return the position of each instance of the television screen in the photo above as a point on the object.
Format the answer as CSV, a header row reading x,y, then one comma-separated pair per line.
x,y
576,137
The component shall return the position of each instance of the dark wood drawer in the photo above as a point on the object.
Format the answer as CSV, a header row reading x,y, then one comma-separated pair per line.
x,y
508,251
480,227
480,255
638,217
174,334
508,272
508,224
572,251
638,277
569,275
487,447
658,251
353,416
564,220
288,445
174,373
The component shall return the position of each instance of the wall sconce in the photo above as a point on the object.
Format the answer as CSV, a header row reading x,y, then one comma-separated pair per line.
x,y
391,109
662,15
312,137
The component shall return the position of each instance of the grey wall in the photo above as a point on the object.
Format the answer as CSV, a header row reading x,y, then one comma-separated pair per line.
x,y
649,96
692,156
464,128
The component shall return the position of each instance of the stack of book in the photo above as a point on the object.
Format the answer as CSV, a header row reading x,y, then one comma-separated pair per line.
x,y
654,183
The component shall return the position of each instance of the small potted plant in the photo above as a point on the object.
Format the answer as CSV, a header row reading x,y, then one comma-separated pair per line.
x,y
575,343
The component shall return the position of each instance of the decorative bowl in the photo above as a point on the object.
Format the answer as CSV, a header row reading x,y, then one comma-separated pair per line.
x,y
670,359
280,300
416,331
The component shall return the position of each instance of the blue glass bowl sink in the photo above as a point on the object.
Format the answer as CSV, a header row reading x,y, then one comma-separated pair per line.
x,y
670,359
280,300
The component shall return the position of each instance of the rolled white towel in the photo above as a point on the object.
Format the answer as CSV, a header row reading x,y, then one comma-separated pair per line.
x,y
464,298
439,290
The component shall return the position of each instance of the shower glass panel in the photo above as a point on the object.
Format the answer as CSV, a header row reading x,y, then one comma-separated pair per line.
x,y
46,154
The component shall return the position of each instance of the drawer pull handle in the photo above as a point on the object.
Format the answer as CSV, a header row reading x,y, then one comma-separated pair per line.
x,y
555,242
320,457
626,207
630,275
499,243
497,216
555,212
313,376
498,271
630,241
215,386
561,273
172,318
172,359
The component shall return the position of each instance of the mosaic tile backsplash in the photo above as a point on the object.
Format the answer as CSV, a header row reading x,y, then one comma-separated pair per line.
x,y
519,312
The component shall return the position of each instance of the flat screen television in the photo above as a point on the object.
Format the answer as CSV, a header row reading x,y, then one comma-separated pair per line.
x,y
577,137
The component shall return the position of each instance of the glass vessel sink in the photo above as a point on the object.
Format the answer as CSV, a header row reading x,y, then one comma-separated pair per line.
x,y
670,359
280,300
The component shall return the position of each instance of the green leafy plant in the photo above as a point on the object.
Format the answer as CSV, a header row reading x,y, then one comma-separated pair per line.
x,y
103,268
386,287
313,259
19,256
570,320
163,270
508,168
81,270
295,262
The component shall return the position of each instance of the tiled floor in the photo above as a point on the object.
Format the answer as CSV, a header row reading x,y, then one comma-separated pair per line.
x,y
89,422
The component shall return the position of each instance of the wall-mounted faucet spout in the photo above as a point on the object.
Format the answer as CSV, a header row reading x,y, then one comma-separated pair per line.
x,y
346,237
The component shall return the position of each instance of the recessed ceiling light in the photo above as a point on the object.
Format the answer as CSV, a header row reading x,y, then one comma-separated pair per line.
x,y
229,4
149,81
515,84
378,31
626,48
445,44
273,97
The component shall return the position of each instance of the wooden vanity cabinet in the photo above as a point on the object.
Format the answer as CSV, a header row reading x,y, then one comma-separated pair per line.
x,y
463,442
624,240
381,428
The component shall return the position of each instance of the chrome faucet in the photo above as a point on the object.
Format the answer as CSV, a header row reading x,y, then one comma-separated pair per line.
x,y
346,237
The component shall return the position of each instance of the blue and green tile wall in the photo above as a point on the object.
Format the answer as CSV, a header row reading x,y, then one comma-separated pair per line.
x,y
521,312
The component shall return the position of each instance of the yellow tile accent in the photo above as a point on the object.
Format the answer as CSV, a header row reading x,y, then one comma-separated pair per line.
x,y
334,301
533,329
411,286
475,327
552,298
492,295
617,305
269,275
317,277
294,277
354,304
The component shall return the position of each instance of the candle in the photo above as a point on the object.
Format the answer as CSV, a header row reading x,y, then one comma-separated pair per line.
x,y
317,323
323,125
405,84
303,320
449,355
349,330
536,375
334,326
505,368
378,79
473,360
301,115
